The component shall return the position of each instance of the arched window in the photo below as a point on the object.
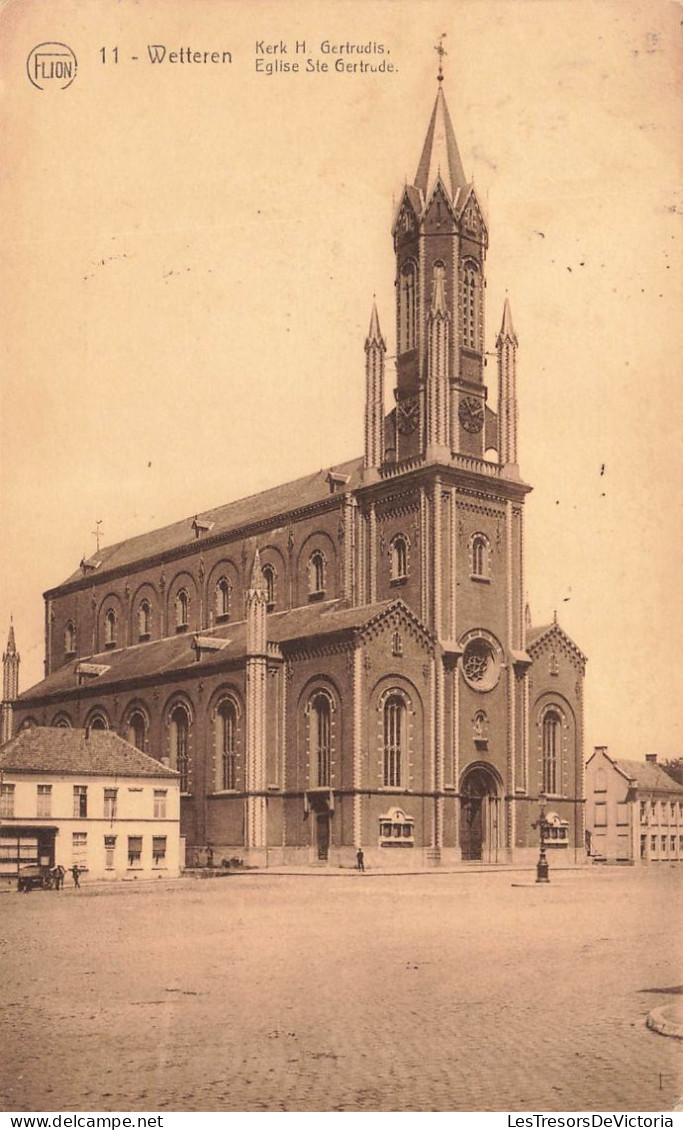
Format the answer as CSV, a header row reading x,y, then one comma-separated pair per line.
x,y
182,610
316,574
180,745
70,638
223,599
62,721
480,556
268,573
552,738
226,733
137,729
98,722
470,306
407,306
320,734
394,739
399,558
144,619
438,280
110,628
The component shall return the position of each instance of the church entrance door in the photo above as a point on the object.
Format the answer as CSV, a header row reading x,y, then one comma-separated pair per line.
x,y
322,829
479,815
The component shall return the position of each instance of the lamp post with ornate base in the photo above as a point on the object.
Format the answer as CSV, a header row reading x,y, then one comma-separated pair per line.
x,y
542,825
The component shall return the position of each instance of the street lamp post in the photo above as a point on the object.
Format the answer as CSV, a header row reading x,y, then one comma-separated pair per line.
x,y
542,825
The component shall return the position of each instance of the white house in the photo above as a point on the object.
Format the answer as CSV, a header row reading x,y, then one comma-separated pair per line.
x,y
634,810
87,798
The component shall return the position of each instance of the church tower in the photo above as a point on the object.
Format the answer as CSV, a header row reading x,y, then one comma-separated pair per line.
x,y
10,684
440,241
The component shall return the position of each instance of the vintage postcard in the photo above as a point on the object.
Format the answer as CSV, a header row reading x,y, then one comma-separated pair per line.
x,y
339,477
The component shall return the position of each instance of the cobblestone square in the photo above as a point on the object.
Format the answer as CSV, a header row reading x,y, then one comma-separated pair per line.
x,y
344,992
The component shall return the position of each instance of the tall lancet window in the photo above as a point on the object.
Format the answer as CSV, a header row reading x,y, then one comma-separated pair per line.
x,y
471,290
320,739
552,737
407,307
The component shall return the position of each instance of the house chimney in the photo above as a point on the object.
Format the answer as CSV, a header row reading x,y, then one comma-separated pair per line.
x,y
651,758
601,749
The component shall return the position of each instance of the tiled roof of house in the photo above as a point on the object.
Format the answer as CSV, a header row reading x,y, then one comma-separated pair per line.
x,y
177,653
222,519
53,749
648,775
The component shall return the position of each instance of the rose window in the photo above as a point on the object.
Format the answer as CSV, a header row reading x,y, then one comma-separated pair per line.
x,y
480,664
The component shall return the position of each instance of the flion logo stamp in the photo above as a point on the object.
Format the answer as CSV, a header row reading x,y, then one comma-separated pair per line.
x,y
51,66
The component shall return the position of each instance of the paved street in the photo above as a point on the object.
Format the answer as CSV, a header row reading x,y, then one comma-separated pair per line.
x,y
341,993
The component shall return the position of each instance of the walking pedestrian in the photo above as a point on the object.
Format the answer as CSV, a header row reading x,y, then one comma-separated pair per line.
x,y
75,871
360,860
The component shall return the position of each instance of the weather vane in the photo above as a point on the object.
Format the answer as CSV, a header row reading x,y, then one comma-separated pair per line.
x,y
97,534
441,51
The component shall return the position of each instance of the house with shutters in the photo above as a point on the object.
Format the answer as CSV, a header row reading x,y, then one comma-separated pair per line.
x,y
89,799
634,810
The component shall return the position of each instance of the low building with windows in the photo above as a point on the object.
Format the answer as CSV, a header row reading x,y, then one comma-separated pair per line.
x,y
347,660
635,810
87,798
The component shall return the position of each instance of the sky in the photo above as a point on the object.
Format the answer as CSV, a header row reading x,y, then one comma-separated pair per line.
x,y
190,252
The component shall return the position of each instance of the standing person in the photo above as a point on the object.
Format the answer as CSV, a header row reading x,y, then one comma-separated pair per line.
x,y
75,871
360,860
61,872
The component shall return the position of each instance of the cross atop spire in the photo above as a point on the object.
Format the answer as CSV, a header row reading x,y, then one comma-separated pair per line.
x,y
441,51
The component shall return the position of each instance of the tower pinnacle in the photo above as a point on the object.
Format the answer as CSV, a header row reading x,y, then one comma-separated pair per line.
x,y
10,684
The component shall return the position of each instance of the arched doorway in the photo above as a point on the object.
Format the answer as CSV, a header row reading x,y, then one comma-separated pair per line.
x,y
480,814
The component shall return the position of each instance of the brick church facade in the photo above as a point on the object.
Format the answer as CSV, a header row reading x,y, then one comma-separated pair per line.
x,y
346,660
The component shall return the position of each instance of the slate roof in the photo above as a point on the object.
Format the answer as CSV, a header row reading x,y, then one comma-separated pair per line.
x,y
648,775
54,749
221,520
176,653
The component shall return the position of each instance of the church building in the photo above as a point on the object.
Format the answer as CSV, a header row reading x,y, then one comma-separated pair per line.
x,y
345,661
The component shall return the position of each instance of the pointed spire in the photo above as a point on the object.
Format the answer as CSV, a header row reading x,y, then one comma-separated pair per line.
x,y
375,349
507,330
506,348
440,155
374,333
257,583
527,615
11,645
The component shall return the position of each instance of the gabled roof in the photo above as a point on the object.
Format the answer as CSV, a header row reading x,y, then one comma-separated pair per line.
x,y
221,520
168,656
647,774
536,637
54,749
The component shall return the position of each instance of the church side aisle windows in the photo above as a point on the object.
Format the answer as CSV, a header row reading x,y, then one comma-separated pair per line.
x,y
226,741
180,745
144,620
407,308
552,738
320,738
399,559
137,729
223,599
110,628
394,739
316,575
182,611
70,639
268,573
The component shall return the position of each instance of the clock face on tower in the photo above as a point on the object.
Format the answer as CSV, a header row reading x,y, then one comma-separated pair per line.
x,y
471,414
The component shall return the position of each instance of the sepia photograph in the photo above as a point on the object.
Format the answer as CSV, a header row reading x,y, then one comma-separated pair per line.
x,y
341,741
